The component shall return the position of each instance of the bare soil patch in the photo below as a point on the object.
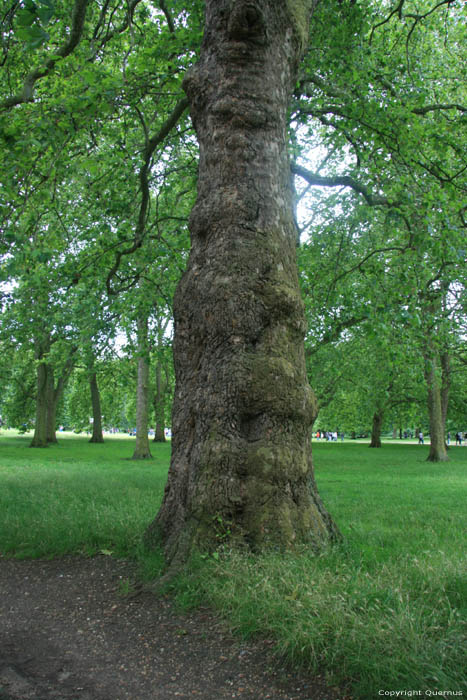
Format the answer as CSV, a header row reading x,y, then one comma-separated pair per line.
x,y
68,633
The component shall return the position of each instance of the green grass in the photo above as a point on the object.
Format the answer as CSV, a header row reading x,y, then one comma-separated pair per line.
x,y
387,608
76,497
384,610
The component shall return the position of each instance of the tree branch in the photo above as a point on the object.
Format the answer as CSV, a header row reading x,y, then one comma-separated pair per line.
x,y
335,333
150,147
341,181
168,16
77,26
437,108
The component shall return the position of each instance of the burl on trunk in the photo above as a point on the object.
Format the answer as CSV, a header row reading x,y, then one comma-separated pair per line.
x,y
241,464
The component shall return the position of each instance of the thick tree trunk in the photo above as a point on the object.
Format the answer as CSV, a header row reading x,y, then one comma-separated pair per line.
x,y
241,462
376,427
438,452
97,435
142,450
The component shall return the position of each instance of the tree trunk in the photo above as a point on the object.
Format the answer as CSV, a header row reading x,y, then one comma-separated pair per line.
x,y
40,429
241,466
445,385
159,432
159,404
52,401
97,435
438,452
376,427
142,398
55,393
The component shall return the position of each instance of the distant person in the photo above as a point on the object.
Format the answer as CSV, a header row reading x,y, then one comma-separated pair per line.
x,y
449,438
420,438
459,438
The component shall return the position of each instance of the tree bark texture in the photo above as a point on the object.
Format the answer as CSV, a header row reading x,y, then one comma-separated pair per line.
x,y
241,463
97,435
376,427
142,450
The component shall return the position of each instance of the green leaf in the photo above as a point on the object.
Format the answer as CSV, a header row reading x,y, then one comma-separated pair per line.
x,y
26,18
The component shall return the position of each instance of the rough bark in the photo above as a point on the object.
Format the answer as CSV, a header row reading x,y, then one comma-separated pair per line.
x,y
97,435
241,466
142,450
376,427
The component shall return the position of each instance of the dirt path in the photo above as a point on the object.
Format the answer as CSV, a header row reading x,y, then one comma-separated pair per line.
x,y
67,633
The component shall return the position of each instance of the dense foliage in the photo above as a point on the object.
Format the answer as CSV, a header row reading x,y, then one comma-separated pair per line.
x,y
98,176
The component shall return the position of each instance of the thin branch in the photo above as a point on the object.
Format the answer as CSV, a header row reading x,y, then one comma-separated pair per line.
x,y
397,10
168,16
77,26
438,108
341,181
150,147
335,333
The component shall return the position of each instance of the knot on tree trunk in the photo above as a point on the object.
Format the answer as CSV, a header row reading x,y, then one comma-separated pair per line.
x,y
247,23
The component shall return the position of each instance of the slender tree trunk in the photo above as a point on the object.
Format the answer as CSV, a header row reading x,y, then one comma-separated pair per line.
x,y
159,404
160,397
55,393
97,435
445,385
159,432
376,427
52,400
142,450
241,464
40,429
438,452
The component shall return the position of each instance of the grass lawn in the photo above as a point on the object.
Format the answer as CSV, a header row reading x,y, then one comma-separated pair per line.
x,y
384,611
77,497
